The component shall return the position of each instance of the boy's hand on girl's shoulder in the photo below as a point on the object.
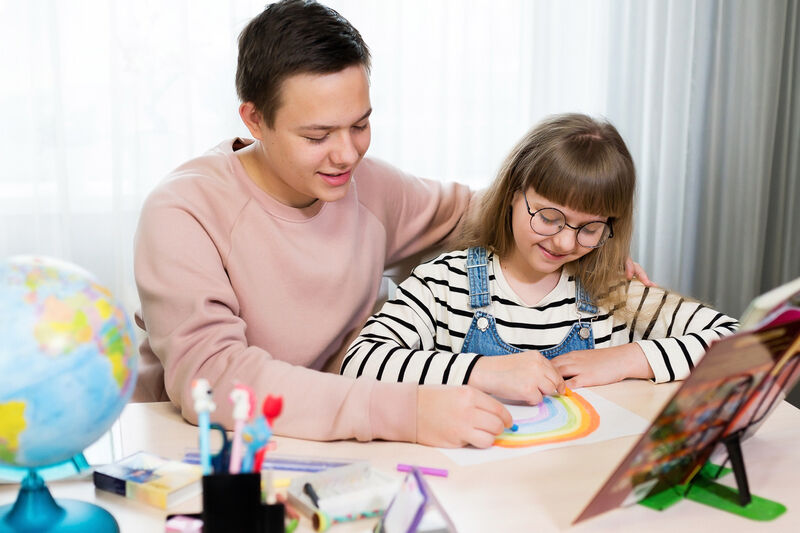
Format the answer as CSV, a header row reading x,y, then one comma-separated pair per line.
x,y
526,377
452,417
634,269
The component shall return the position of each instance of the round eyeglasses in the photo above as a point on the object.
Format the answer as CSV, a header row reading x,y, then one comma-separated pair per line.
x,y
549,221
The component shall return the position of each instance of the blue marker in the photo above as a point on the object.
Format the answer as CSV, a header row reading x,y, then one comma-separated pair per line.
x,y
514,427
203,405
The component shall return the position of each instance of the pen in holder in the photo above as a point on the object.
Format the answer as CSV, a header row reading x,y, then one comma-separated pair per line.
x,y
232,502
232,491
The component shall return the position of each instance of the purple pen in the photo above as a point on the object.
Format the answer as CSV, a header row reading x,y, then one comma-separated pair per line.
x,y
441,472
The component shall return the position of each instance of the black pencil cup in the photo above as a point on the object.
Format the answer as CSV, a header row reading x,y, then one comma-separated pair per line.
x,y
232,503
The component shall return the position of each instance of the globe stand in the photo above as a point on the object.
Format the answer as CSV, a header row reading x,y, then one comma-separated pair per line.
x,y
37,511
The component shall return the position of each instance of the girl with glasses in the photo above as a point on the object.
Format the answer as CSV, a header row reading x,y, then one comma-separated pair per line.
x,y
538,282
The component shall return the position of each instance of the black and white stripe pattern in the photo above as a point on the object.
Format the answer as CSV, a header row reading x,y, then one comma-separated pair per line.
x,y
417,336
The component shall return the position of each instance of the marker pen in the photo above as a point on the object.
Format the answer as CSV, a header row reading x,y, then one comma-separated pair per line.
x,y
441,472
309,490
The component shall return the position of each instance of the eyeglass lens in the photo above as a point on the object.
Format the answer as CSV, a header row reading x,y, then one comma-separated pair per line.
x,y
549,221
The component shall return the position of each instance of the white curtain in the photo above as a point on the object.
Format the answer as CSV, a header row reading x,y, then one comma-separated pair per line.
x,y
706,94
100,99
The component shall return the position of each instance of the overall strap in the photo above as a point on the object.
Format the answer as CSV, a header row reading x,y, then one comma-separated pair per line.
x,y
478,277
582,298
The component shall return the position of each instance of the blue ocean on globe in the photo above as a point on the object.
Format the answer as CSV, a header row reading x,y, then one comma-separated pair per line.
x,y
68,361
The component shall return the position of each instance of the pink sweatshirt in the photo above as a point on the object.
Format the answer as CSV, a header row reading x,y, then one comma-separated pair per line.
x,y
237,287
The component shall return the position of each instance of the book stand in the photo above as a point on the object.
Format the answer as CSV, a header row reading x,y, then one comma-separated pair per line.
x,y
704,489
724,400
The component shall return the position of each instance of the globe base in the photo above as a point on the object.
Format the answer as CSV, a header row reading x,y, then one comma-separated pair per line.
x,y
37,511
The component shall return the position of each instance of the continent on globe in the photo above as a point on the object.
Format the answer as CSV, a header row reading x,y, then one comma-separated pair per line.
x,y
12,423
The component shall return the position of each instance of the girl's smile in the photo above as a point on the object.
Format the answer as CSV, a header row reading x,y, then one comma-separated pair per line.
x,y
550,254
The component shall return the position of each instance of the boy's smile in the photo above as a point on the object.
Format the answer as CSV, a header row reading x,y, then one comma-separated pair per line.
x,y
336,180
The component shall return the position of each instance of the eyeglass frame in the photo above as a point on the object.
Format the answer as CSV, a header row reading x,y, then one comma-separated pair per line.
x,y
576,229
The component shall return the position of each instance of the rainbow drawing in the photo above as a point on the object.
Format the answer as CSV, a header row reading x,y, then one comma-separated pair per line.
x,y
559,418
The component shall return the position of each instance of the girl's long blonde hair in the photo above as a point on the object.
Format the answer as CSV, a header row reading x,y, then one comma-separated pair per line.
x,y
580,163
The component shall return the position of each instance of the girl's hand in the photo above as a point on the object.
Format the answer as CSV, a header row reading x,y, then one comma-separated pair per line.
x,y
601,366
526,376
633,268
452,417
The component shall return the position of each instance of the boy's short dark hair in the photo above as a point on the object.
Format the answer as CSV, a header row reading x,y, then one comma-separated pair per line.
x,y
293,37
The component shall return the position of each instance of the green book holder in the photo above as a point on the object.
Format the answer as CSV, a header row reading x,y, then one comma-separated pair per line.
x,y
704,489
724,400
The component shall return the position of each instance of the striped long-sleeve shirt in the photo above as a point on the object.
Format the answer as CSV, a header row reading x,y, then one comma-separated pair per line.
x,y
417,337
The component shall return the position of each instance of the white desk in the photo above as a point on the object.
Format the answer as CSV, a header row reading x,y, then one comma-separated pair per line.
x,y
540,492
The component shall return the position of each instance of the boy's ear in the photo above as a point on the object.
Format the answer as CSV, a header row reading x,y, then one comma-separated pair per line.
x,y
252,118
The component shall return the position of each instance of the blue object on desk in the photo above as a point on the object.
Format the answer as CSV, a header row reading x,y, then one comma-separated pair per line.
x,y
221,460
205,452
36,510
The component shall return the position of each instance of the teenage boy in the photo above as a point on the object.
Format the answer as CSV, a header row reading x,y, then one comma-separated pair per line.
x,y
259,260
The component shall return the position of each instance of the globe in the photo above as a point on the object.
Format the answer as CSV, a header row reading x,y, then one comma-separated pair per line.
x,y
67,363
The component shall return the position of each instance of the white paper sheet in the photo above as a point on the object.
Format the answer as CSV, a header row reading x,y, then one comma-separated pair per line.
x,y
615,421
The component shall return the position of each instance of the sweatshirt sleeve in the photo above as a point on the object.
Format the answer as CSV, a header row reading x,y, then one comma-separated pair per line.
x,y
191,314
674,332
399,343
417,213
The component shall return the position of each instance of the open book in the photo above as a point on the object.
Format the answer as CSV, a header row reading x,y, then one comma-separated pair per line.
x,y
762,307
778,306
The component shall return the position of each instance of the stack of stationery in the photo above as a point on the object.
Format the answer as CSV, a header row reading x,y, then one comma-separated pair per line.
x,y
150,479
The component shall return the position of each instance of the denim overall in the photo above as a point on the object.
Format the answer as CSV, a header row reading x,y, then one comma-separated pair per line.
x,y
482,337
